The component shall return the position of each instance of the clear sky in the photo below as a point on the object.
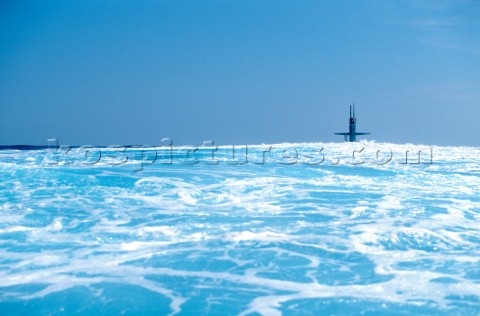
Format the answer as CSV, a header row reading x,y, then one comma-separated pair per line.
x,y
105,72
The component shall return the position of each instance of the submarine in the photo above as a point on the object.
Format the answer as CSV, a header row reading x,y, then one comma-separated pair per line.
x,y
352,134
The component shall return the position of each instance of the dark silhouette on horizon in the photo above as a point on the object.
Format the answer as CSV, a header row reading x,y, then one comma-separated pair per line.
x,y
352,127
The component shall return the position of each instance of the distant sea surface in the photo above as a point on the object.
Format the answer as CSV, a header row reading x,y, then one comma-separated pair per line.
x,y
282,229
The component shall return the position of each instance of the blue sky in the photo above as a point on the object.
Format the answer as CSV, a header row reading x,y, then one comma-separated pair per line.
x,y
238,72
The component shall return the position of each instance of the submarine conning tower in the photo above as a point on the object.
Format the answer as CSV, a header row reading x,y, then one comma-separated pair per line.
x,y
352,134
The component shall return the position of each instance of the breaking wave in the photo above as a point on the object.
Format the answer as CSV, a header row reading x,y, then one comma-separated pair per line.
x,y
280,229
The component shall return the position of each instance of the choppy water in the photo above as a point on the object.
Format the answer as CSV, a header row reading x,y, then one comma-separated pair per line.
x,y
286,229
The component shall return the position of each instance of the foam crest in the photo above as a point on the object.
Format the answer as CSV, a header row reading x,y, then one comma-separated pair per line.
x,y
242,237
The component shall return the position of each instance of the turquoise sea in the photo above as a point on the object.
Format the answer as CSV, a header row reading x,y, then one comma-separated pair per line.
x,y
283,229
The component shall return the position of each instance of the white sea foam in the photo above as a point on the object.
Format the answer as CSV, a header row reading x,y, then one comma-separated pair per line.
x,y
269,238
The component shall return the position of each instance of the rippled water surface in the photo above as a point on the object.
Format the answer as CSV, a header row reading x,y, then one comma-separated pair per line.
x,y
286,229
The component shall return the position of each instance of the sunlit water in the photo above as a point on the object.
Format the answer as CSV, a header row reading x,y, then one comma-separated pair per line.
x,y
285,229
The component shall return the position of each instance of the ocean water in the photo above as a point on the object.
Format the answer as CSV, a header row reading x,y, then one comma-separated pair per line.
x,y
283,229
